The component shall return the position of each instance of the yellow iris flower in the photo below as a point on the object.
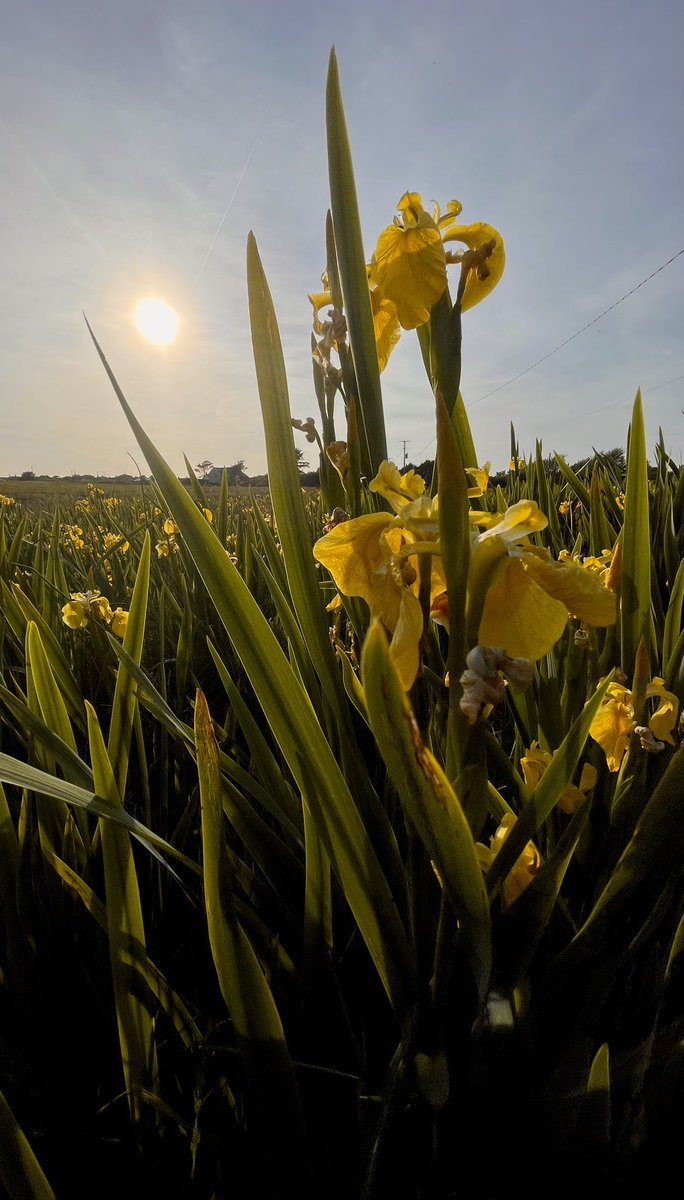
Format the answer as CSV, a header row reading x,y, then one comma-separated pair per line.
x,y
364,557
523,870
408,271
524,596
614,721
573,796
409,264
370,557
528,595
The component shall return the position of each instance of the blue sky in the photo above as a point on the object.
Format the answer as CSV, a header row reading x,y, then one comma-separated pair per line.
x,y
125,130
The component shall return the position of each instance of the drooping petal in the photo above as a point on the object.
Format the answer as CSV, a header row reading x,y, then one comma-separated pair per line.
x,y
664,718
519,615
534,764
357,555
612,726
475,236
579,589
386,326
406,638
74,614
523,870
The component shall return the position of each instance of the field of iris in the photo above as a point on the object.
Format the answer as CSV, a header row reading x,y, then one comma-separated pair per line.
x,y
341,831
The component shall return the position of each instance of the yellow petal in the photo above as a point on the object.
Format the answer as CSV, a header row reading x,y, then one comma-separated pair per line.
x,y
359,559
119,622
611,728
517,523
74,615
386,326
664,718
579,590
520,616
571,798
320,300
408,631
399,489
474,236
409,269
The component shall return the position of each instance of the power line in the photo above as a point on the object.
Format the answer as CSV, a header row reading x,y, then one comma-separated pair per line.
x,y
571,339
579,331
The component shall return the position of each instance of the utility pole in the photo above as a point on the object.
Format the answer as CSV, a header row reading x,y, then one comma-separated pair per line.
x,y
404,444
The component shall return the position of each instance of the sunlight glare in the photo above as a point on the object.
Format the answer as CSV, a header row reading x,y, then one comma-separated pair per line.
x,y
156,321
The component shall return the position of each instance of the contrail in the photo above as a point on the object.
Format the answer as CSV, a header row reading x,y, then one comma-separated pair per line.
x,y
223,218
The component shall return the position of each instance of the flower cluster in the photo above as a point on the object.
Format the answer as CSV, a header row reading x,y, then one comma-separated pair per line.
x,y
523,596
6,501
73,536
87,606
114,541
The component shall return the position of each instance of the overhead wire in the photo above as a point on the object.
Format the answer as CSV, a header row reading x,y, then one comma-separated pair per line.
x,y
567,341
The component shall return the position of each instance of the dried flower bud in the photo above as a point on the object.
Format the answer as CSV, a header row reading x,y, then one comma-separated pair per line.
x,y
483,682
649,743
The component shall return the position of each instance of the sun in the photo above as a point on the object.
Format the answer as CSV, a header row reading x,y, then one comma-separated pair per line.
x,y
156,320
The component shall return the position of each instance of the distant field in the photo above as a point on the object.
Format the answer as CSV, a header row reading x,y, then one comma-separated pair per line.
x,y
41,495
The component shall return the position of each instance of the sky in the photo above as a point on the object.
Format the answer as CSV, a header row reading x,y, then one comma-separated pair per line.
x,y
126,130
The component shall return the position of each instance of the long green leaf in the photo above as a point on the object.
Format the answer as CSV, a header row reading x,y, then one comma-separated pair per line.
x,y
124,702
635,588
21,1174
23,775
283,476
126,930
289,712
429,801
352,263
257,1024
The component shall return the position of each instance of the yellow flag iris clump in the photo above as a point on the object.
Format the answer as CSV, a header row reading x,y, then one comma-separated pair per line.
x,y
523,594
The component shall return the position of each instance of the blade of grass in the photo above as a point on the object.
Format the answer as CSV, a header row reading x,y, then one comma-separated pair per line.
x,y
23,775
257,1024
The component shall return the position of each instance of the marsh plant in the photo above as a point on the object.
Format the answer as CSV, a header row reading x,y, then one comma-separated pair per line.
x,y
341,835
